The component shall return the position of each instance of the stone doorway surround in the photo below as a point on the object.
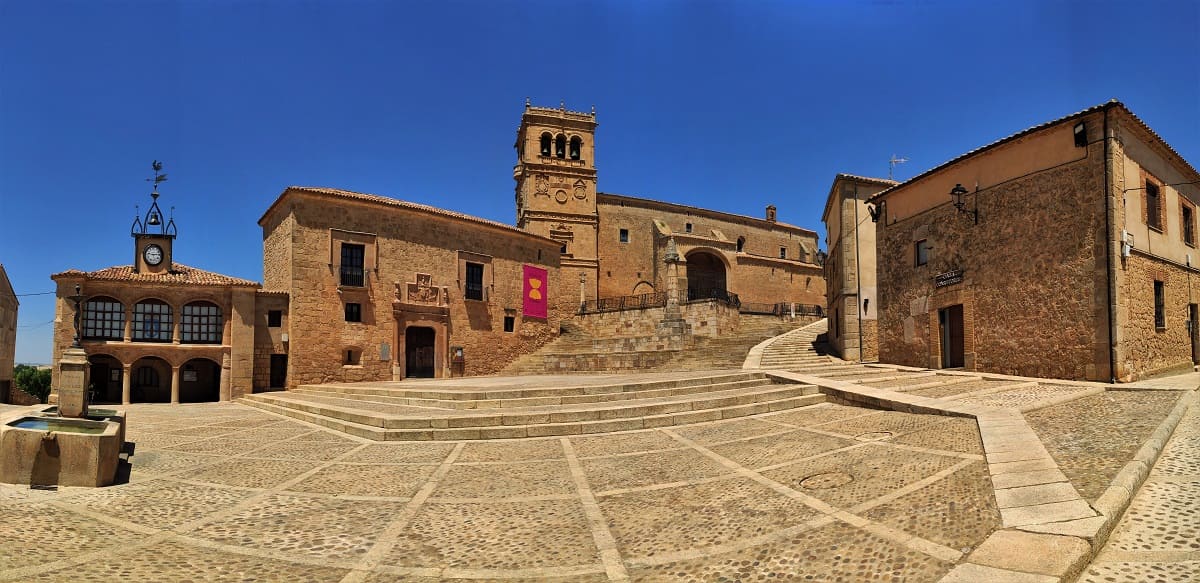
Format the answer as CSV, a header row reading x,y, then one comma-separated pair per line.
x,y
421,304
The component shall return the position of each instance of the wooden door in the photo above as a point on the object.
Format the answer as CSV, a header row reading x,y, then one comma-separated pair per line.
x,y
951,320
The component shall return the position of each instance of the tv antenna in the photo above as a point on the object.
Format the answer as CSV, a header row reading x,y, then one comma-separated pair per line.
x,y
892,165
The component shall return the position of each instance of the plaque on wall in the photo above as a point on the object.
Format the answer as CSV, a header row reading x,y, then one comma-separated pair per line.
x,y
948,278
189,376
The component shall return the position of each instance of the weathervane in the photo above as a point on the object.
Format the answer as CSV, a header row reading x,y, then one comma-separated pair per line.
x,y
157,177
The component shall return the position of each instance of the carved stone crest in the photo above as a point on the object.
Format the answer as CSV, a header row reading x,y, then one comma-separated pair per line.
x,y
422,290
580,189
541,185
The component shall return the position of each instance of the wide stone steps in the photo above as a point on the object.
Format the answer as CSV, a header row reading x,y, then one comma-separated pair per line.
x,y
373,421
492,401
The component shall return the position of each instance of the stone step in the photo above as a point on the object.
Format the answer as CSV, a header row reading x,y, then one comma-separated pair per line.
x,y
402,417
378,433
569,399
396,389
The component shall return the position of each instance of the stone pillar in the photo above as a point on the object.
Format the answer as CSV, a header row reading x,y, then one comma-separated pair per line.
x,y
175,384
74,370
582,288
671,258
129,323
176,327
226,365
126,374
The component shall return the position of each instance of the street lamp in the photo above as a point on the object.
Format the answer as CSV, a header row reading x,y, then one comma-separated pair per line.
x,y
957,194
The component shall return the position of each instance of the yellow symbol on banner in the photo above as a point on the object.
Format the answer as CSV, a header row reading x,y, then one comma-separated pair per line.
x,y
534,294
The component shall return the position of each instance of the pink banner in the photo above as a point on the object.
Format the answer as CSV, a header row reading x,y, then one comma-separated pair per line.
x,y
535,292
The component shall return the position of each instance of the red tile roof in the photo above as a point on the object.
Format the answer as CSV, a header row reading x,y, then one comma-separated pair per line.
x,y
178,275
392,202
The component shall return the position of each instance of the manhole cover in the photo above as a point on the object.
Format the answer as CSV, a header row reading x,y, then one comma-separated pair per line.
x,y
826,480
873,436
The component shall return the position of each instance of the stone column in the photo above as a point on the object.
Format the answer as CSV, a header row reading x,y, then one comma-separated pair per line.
x,y
226,373
582,288
129,323
175,385
671,258
126,373
176,327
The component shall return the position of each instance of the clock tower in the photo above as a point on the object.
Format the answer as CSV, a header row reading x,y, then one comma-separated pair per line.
x,y
152,238
556,186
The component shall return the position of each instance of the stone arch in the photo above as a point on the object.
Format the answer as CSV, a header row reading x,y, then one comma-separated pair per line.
x,y
576,148
560,146
150,380
200,381
643,287
706,273
105,379
544,144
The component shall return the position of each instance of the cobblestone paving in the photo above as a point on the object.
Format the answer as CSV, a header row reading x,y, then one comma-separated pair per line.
x,y
1158,539
1094,437
223,492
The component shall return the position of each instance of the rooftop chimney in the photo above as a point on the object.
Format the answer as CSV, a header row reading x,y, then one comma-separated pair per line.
x,y
770,213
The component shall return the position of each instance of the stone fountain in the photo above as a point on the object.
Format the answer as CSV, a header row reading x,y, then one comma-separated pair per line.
x,y
67,445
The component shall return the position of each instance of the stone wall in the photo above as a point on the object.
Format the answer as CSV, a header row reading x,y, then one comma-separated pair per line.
x,y
1145,349
268,340
1034,287
277,250
705,318
403,242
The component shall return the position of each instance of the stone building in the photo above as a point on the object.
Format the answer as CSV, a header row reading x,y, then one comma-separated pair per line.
x,y
8,334
1066,250
850,268
158,330
614,243
379,288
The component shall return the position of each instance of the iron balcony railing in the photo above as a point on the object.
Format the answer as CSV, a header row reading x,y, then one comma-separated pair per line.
x,y
721,295
352,276
782,309
651,300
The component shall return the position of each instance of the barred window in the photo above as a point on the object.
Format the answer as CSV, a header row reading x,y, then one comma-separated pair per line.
x,y
200,323
151,321
103,319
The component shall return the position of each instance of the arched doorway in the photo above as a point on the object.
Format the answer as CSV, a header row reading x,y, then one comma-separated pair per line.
x,y
105,378
150,381
705,275
419,357
199,381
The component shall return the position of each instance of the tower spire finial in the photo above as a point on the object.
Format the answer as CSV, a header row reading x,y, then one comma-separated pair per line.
x,y
527,102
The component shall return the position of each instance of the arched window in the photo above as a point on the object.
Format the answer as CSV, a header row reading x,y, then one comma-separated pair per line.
x,y
546,138
741,244
200,323
103,319
576,146
151,321
560,146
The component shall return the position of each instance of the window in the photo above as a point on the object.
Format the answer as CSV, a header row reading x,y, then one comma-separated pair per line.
x,y
353,312
1189,225
545,149
509,323
922,252
353,357
687,228
274,318
1160,306
560,146
352,264
576,146
783,252
624,235
1153,212
563,250
103,319
151,321
1080,134
200,323
741,244
474,286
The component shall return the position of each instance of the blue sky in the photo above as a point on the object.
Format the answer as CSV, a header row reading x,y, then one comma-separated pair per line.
x,y
725,105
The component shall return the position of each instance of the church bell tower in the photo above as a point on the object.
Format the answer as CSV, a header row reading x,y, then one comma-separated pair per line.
x,y
152,237
556,187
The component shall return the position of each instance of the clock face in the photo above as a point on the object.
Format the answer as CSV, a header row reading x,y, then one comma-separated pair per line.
x,y
153,254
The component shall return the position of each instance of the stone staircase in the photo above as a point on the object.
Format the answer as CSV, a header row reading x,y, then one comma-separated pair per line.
x,y
575,351
804,347
512,408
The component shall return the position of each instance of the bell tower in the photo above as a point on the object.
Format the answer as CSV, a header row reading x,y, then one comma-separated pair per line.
x,y
152,237
556,186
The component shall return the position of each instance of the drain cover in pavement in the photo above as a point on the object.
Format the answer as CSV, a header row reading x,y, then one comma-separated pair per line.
x,y
826,480
873,436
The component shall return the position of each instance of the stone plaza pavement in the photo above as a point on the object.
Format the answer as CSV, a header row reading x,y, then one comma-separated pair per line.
x,y
830,492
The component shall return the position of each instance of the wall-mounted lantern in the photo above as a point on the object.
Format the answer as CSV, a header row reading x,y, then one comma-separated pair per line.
x,y
957,194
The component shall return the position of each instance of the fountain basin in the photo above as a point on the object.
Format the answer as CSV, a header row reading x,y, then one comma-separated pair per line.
x,y
94,414
44,451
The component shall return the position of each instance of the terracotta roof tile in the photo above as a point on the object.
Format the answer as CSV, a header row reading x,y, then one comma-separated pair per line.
x,y
868,179
392,202
179,275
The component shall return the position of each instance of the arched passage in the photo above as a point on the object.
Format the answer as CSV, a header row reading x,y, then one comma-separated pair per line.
x,y
199,381
105,378
150,381
705,275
